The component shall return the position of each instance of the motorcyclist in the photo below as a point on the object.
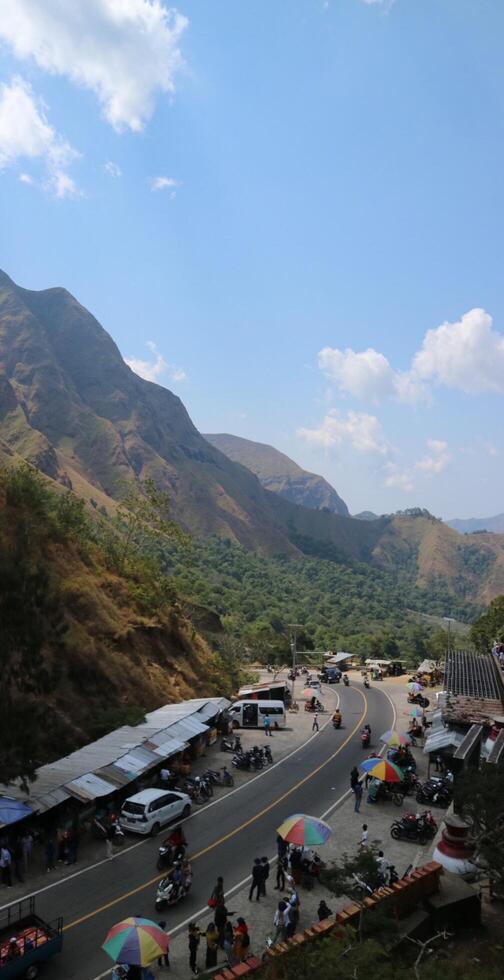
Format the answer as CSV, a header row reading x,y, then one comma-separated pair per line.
x,y
337,718
345,680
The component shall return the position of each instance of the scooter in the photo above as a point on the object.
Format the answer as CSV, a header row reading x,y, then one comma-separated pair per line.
x,y
336,723
168,855
169,892
231,743
436,791
366,683
345,680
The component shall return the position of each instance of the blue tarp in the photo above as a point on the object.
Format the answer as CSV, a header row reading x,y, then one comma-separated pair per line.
x,y
13,810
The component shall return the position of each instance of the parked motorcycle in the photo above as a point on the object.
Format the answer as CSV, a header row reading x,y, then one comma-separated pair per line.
x,y
390,792
421,827
220,777
437,791
418,699
231,743
102,826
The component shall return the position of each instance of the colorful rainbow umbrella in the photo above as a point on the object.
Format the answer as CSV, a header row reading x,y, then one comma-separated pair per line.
x,y
415,713
382,769
304,831
393,739
414,687
309,692
137,942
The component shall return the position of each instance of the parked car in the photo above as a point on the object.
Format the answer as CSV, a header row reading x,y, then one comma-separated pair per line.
x,y
146,812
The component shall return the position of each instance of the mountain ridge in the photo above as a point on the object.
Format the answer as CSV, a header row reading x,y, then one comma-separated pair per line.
x,y
279,473
475,525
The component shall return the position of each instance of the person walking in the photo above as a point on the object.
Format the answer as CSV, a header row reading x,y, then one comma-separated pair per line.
x,y
265,866
241,940
27,845
292,916
212,945
315,726
282,865
257,879
5,865
267,725
358,796
363,843
194,938
354,777
217,893
164,959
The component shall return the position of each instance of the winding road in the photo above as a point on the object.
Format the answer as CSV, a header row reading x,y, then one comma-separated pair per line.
x,y
224,838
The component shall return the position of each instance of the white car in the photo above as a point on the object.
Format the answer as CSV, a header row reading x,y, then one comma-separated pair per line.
x,y
315,685
148,811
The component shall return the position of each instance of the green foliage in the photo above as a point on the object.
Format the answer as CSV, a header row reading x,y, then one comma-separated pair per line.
x,y
341,605
109,719
479,797
489,626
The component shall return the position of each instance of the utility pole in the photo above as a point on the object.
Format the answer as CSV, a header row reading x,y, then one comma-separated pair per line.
x,y
449,620
293,627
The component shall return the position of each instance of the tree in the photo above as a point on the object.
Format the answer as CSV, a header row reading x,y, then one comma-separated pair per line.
x,y
489,626
479,797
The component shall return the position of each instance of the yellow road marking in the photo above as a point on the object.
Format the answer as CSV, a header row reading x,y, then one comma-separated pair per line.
x,y
232,833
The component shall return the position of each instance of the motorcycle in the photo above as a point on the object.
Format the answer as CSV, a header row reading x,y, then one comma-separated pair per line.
x,y
336,722
101,828
366,683
169,854
345,680
220,778
436,791
242,760
390,793
170,892
421,827
317,707
365,738
231,743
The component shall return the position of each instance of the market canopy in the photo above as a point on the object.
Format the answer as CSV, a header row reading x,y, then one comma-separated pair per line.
x,y
338,657
13,810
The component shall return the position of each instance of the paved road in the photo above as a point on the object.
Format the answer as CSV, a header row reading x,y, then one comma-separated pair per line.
x,y
223,839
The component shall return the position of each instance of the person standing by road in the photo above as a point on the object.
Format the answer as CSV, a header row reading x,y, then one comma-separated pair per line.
x,y
220,918
194,938
212,945
358,796
228,942
267,725
257,879
265,866
282,865
217,893
27,845
241,940
5,865
280,922
315,726
164,959
363,843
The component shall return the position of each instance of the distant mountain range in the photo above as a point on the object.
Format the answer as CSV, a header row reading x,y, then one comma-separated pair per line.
x,y
280,474
71,406
478,524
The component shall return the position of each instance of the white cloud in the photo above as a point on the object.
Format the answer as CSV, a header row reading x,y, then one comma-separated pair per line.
x,y
164,184
25,133
491,449
26,179
366,374
112,169
154,369
468,355
357,429
437,460
124,51
397,478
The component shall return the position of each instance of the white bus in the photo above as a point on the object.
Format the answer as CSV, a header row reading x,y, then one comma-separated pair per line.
x,y
251,714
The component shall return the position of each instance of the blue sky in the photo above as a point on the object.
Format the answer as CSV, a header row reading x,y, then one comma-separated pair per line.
x,y
290,213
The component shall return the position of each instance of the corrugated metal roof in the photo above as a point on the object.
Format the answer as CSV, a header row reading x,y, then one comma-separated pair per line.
x,y
442,739
169,748
49,787
89,787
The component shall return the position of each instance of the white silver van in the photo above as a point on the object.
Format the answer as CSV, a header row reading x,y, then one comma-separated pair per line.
x,y
148,811
251,714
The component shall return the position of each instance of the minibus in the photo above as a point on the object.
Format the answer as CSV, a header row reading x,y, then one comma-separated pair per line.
x,y
251,714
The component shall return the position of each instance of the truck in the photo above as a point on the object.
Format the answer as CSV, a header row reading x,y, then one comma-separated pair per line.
x,y
26,940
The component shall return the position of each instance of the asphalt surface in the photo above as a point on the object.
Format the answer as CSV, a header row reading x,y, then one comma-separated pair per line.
x,y
223,839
